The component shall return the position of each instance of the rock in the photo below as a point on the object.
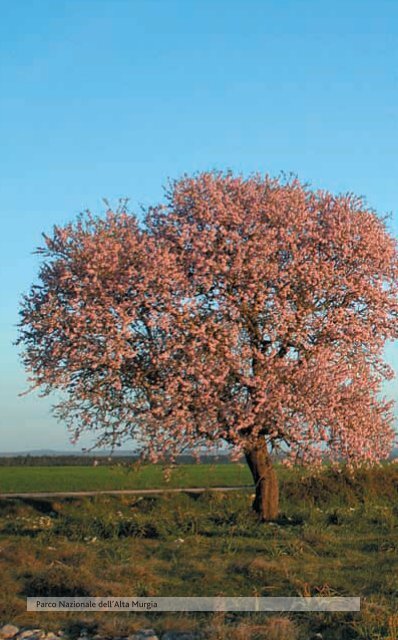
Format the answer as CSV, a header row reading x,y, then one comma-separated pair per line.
x,y
40,634
317,636
144,634
31,633
8,631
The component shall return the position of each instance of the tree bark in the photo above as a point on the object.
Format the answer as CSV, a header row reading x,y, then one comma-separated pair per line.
x,y
266,501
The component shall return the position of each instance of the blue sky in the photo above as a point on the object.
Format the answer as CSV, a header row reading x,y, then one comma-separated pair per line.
x,y
109,98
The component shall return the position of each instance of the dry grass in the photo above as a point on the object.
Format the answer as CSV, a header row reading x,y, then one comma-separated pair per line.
x,y
207,545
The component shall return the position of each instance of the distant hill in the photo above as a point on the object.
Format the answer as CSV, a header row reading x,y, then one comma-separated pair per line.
x,y
54,452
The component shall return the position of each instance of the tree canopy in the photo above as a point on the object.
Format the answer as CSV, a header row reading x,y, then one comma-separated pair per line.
x,y
237,311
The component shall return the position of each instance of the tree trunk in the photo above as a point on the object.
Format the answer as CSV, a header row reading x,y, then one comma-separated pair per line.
x,y
266,501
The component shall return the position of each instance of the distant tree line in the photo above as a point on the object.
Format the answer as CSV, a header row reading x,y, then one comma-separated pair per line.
x,y
90,461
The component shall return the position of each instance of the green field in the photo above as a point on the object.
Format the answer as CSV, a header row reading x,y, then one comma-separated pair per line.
x,y
337,535
26,479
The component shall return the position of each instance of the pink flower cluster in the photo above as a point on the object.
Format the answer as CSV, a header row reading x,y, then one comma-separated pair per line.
x,y
240,309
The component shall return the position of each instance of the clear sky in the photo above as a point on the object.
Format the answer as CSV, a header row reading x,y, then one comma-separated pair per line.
x,y
109,98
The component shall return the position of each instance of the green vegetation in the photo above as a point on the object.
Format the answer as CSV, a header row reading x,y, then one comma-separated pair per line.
x,y
337,535
20,479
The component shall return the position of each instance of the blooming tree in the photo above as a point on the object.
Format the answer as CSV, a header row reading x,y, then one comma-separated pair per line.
x,y
251,312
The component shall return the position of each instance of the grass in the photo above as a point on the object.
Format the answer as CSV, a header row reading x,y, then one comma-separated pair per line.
x,y
26,479
337,535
